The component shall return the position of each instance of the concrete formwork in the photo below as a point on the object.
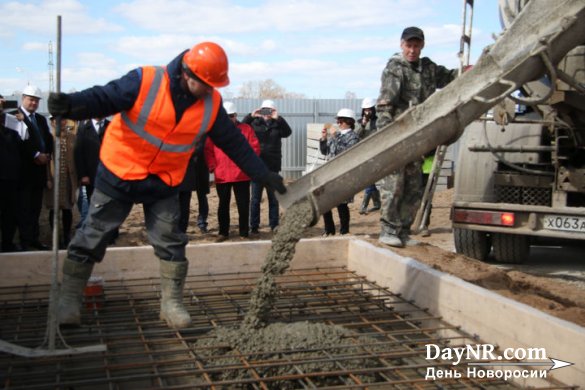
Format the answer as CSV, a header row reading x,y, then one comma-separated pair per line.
x,y
493,318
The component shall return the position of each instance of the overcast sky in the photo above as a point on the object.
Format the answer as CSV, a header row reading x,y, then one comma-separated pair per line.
x,y
319,48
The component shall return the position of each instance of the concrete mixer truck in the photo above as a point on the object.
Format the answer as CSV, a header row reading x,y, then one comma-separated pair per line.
x,y
520,174
542,151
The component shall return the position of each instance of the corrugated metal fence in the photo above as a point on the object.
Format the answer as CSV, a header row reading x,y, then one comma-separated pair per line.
x,y
298,113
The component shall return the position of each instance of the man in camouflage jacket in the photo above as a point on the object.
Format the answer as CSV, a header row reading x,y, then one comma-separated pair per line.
x,y
407,80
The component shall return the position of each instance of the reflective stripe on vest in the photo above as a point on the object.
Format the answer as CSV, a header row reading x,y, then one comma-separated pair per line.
x,y
138,127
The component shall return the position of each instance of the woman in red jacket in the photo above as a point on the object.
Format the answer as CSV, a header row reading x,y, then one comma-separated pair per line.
x,y
229,176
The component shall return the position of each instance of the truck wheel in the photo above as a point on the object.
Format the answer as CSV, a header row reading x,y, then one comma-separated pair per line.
x,y
472,243
510,248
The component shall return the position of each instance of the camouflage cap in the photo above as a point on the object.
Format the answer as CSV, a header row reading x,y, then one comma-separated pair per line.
x,y
412,33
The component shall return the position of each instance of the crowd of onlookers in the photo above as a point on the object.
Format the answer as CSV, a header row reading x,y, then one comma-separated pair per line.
x,y
28,168
27,171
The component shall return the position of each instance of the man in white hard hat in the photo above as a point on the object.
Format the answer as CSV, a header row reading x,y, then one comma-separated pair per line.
x,y
338,140
38,151
270,129
366,126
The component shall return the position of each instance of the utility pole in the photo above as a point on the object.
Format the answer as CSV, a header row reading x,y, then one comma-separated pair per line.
x,y
466,27
51,79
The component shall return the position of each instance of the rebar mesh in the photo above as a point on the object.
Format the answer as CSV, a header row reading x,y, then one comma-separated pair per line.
x,y
144,354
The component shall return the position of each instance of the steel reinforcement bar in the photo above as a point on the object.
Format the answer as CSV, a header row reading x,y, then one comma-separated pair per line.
x,y
142,353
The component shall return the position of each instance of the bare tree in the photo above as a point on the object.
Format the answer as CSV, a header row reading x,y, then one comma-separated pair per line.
x,y
227,94
294,95
266,89
350,95
249,90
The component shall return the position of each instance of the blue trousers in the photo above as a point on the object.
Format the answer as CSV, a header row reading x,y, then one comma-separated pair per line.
x,y
273,209
82,205
371,189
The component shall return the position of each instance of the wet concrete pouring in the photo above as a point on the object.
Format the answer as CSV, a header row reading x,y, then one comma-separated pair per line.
x,y
306,340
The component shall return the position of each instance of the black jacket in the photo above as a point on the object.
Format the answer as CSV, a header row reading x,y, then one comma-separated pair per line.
x,y
11,154
197,175
87,150
32,174
270,134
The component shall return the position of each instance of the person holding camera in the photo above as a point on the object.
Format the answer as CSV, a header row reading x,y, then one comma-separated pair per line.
x,y
270,128
338,140
11,155
366,127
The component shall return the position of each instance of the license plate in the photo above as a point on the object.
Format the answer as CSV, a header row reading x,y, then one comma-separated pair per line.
x,y
564,223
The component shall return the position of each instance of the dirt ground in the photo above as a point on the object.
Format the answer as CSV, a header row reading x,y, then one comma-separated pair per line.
x,y
560,296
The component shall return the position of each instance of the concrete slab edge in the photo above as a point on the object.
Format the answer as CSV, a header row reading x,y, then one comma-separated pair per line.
x,y
493,317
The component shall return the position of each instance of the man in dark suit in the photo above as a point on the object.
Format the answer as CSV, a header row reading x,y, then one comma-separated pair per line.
x,y
87,155
38,150
11,152
196,179
87,151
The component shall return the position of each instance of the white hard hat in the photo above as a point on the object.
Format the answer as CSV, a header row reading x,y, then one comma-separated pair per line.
x,y
346,113
31,90
230,108
268,104
368,102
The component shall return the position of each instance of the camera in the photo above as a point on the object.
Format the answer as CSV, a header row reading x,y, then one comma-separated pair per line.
x,y
9,104
266,111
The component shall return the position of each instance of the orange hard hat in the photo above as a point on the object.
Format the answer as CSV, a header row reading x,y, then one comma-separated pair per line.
x,y
208,61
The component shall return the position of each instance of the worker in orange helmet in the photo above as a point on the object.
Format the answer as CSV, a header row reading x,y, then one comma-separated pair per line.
x,y
162,114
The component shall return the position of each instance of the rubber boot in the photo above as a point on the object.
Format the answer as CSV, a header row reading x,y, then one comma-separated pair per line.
x,y
75,276
376,200
390,239
365,202
172,281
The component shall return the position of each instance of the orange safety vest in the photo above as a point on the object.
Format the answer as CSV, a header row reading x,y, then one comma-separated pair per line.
x,y
146,140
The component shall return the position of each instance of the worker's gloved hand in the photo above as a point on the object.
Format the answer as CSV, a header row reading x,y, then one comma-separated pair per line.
x,y
274,181
59,104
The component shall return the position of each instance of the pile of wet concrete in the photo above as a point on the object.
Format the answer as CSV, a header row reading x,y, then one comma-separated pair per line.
x,y
306,345
287,351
